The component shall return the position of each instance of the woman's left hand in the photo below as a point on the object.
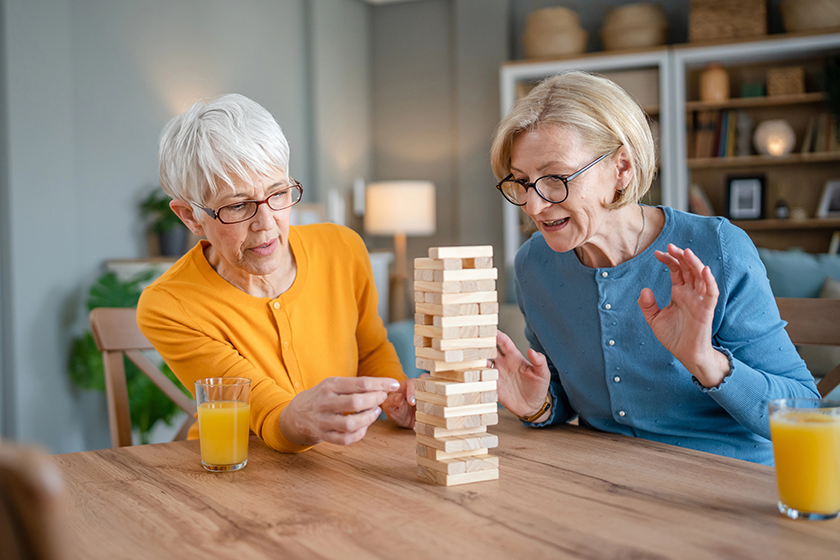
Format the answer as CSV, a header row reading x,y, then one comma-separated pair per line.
x,y
400,405
684,327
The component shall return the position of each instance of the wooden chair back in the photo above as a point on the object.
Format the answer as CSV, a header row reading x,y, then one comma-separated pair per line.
x,y
814,321
117,335
31,502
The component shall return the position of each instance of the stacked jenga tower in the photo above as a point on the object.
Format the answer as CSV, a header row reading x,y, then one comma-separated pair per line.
x,y
457,313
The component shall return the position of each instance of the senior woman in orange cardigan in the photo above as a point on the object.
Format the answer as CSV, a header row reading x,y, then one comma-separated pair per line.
x,y
293,309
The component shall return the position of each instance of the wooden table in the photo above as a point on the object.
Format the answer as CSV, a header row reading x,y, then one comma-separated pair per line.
x,y
565,492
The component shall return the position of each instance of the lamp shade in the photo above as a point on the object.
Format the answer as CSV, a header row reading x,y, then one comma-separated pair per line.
x,y
400,207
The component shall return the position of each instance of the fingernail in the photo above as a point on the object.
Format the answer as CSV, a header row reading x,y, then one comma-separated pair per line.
x,y
378,411
411,399
395,385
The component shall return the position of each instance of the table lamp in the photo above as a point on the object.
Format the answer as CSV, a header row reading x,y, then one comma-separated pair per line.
x,y
400,208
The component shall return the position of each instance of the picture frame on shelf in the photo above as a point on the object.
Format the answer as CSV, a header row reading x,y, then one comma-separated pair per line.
x,y
830,202
745,197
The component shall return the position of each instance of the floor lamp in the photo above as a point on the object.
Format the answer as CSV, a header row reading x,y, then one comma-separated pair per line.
x,y
400,208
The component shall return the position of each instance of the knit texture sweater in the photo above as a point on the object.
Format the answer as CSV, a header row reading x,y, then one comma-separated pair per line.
x,y
325,325
609,369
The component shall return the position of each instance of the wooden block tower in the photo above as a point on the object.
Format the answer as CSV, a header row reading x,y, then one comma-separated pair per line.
x,y
456,316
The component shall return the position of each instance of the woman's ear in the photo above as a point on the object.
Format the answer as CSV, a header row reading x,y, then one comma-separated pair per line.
x,y
186,212
623,170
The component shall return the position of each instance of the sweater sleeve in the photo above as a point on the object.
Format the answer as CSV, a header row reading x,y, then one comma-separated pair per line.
x,y
377,356
764,363
192,354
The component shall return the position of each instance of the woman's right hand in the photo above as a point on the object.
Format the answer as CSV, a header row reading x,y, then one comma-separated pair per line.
x,y
523,383
336,410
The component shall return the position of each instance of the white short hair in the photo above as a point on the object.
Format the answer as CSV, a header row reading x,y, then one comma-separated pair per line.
x,y
210,143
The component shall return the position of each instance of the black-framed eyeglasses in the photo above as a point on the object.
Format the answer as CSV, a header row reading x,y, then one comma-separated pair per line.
x,y
551,188
246,209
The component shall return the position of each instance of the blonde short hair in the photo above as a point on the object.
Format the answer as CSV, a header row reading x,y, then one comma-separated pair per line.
x,y
604,115
213,142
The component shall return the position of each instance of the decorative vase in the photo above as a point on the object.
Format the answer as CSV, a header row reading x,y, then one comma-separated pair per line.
x,y
714,84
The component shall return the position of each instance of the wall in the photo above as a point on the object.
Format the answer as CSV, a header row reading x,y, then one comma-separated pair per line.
x,y
88,86
435,105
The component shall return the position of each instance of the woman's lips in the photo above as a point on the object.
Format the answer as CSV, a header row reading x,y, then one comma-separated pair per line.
x,y
555,225
265,249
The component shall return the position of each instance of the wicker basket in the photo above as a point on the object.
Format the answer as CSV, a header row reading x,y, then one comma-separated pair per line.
x,y
553,32
805,15
634,26
714,20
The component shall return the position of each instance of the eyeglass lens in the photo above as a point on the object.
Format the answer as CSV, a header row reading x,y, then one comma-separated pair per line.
x,y
552,188
246,210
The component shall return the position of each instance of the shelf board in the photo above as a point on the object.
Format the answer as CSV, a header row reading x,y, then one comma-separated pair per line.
x,y
754,161
752,102
769,225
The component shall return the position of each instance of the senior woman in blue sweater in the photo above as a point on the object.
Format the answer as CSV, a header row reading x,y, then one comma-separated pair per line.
x,y
642,320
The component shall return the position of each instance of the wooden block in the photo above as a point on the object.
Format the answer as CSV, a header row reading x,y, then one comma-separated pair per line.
x,y
464,274
423,319
434,366
436,432
426,275
447,388
479,262
447,356
465,320
458,400
466,252
487,309
490,419
421,341
487,330
480,463
448,333
419,297
442,479
470,297
437,264
456,411
454,423
463,343
437,454
460,443
490,375
463,376
451,287
452,310
447,466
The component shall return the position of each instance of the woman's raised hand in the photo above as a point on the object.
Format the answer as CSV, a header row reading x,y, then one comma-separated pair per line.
x,y
684,327
336,410
523,383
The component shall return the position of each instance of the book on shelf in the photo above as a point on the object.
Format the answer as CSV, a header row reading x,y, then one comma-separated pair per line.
x,y
810,133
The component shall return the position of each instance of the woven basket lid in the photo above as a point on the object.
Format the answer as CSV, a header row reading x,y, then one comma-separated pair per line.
x,y
804,15
636,15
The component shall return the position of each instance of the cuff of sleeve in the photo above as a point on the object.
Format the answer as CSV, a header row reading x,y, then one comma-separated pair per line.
x,y
275,439
732,363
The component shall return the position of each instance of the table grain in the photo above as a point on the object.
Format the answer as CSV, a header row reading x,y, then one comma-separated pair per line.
x,y
563,492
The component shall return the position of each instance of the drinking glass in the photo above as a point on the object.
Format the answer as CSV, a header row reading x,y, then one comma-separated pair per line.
x,y
806,445
223,421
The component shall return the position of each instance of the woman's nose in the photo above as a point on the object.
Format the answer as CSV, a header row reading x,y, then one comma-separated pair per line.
x,y
534,203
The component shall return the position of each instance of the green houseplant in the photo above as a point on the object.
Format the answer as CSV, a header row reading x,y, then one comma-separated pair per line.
x,y
171,232
147,404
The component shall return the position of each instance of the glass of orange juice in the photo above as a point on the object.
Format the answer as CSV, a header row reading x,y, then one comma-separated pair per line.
x,y
806,445
223,422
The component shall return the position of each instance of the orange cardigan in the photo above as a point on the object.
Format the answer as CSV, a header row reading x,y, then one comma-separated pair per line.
x,y
325,325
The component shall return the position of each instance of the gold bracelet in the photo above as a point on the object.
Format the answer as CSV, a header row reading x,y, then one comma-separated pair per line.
x,y
546,406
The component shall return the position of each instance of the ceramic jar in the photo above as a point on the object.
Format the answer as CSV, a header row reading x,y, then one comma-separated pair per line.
x,y
714,84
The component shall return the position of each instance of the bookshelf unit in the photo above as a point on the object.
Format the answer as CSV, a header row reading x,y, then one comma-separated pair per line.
x,y
798,177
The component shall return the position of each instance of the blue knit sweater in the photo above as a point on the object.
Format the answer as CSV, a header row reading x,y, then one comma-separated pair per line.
x,y
608,367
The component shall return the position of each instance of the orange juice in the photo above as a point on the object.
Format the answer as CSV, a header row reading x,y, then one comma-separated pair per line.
x,y
806,445
223,432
